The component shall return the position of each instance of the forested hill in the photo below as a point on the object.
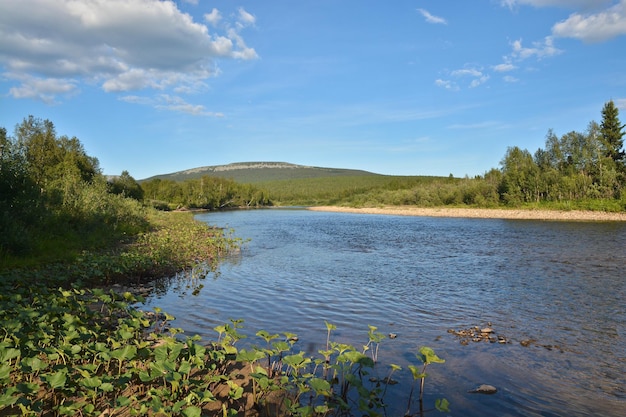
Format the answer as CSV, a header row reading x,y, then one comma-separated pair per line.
x,y
255,172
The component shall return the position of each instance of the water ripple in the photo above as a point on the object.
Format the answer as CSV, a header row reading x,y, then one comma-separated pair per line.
x,y
557,284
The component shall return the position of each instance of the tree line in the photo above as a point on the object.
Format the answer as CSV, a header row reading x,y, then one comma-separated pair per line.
x,y
578,170
52,191
54,197
207,192
576,166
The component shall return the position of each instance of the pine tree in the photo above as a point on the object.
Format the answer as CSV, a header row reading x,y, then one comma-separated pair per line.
x,y
612,135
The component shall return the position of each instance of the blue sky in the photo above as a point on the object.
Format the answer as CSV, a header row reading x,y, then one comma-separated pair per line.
x,y
419,87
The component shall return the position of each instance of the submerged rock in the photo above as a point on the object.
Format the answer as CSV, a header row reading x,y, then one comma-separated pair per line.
x,y
478,334
484,389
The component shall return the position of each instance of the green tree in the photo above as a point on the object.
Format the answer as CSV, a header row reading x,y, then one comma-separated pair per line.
x,y
520,177
20,199
127,186
612,135
50,159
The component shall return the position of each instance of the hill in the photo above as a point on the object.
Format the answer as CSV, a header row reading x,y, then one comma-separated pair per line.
x,y
257,172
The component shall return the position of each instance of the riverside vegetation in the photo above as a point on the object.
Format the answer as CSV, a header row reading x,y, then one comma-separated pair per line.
x,y
577,171
69,345
72,343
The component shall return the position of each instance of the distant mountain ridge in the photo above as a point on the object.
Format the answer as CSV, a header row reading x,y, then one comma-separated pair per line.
x,y
253,172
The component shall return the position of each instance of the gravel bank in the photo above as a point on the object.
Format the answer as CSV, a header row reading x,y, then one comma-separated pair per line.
x,y
573,215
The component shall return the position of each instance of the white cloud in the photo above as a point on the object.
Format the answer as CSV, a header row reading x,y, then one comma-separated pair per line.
x,y
214,17
478,77
510,79
120,44
245,18
447,84
471,72
596,27
178,104
171,103
432,19
538,50
505,67
478,81
41,89
620,103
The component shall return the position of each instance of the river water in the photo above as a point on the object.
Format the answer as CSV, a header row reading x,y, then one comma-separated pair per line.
x,y
556,291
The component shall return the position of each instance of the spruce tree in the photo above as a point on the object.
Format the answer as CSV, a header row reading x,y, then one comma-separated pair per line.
x,y
612,135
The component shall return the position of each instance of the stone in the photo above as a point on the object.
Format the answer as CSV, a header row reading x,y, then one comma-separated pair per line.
x,y
484,389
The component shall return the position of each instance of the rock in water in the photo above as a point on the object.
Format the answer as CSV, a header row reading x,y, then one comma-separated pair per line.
x,y
484,389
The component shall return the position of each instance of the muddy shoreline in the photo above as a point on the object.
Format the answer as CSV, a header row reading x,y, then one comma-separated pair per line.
x,y
483,213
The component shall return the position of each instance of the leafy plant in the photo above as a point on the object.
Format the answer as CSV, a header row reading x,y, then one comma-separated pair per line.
x,y
427,356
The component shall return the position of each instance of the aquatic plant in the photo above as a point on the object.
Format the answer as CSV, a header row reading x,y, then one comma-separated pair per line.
x,y
73,350
427,356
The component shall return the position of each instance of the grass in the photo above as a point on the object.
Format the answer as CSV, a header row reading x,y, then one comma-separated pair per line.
x,y
174,241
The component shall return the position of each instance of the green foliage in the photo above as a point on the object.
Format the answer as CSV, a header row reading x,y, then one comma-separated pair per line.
x,y
20,203
54,201
576,167
206,193
67,350
612,135
126,186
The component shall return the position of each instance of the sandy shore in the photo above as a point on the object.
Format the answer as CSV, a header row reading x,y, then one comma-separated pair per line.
x,y
574,215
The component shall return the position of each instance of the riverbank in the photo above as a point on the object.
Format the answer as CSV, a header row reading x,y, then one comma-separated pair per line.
x,y
482,213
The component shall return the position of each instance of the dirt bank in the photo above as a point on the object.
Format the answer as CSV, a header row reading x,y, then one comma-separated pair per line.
x,y
573,215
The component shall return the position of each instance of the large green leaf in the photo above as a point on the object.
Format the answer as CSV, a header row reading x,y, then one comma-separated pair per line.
x,y
7,354
57,379
125,353
5,372
320,386
93,382
427,355
192,411
7,398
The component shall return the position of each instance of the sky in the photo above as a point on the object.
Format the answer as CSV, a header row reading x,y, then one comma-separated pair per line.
x,y
396,87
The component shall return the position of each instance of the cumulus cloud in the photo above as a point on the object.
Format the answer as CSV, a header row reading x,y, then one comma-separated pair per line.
x,y
432,19
471,72
504,67
214,17
245,18
49,47
538,50
41,89
477,77
594,27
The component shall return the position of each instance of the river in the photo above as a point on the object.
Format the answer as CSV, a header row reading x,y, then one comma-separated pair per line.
x,y
554,291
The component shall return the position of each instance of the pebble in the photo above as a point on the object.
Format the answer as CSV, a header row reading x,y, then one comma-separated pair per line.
x,y
478,334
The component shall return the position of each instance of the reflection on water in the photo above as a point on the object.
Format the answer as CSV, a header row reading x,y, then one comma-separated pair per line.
x,y
559,285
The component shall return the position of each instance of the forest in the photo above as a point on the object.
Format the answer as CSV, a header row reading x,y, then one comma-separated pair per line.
x,y
584,170
54,194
